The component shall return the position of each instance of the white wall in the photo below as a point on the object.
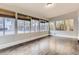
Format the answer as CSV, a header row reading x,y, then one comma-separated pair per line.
x,y
69,34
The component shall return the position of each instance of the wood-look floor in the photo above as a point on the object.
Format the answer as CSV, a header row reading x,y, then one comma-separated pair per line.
x,y
45,46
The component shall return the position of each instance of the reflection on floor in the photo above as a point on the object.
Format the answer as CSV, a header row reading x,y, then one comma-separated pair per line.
x,y
45,46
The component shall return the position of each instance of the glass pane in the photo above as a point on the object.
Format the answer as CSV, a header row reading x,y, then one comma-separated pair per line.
x,y
52,26
60,25
37,26
20,25
46,26
1,26
9,26
42,26
69,25
34,26
27,26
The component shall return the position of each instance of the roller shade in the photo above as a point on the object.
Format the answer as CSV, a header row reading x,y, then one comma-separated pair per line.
x,y
23,17
11,14
35,18
7,13
43,21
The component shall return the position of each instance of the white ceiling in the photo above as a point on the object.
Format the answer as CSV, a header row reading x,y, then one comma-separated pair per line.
x,y
39,9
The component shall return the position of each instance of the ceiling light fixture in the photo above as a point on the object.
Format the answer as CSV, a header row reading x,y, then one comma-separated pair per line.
x,y
50,4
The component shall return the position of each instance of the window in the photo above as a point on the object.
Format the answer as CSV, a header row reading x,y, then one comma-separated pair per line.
x,y
42,26
20,25
1,26
46,26
34,25
27,26
60,25
66,25
52,26
9,26
37,25
69,25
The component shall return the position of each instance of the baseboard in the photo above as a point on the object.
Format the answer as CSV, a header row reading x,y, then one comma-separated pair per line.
x,y
74,37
